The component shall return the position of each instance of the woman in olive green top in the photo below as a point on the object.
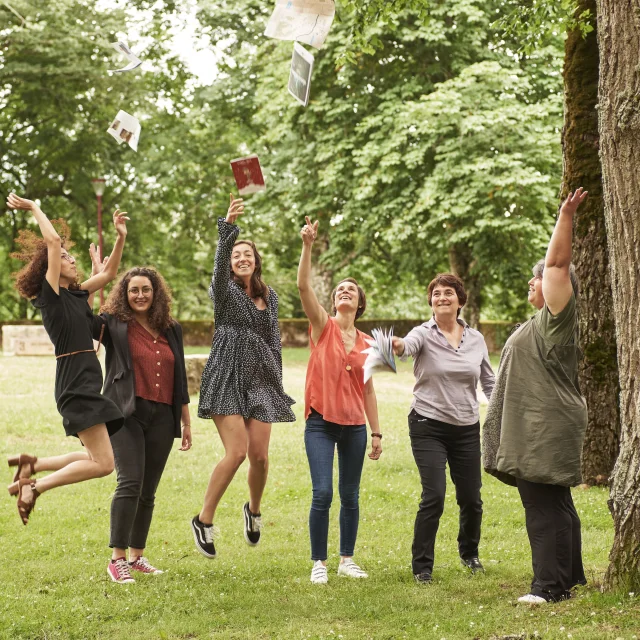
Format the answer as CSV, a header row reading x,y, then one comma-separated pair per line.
x,y
532,436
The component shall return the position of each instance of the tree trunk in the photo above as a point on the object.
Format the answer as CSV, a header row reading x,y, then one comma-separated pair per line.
x,y
461,264
599,368
619,108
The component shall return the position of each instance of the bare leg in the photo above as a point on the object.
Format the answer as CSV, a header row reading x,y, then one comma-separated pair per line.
x,y
118,553
53,463
134,554
234,439
97,463
259,434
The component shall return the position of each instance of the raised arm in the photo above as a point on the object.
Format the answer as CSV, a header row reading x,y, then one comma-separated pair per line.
x,y
556,283
110,271
318,317
49,234
227,235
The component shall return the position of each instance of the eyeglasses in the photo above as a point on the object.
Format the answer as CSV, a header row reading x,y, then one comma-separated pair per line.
x,y
146,291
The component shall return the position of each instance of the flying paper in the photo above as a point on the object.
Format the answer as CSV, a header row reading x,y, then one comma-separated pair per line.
x,y
306,21
134,61
379,354
248,175
300,74
125,128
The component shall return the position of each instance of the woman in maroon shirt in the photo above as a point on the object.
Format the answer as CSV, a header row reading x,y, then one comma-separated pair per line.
x,y
146,378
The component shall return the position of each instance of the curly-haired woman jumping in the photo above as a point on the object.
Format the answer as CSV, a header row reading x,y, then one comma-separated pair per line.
x,y
49,281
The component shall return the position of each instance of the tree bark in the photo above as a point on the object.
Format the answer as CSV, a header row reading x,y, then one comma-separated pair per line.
x,y
462,264
619,108
580,141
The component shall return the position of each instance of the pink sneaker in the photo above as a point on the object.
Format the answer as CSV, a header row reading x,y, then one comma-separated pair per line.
x,y
118,571
143,565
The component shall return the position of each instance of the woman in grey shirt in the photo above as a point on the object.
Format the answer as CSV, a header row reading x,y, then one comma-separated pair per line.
x,y
449,357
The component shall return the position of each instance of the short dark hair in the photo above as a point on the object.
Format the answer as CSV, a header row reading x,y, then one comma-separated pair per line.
x,y
362,299
538,269
448,280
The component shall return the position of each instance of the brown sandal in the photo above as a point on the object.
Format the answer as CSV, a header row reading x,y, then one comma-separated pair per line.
x,y
23,460
25,508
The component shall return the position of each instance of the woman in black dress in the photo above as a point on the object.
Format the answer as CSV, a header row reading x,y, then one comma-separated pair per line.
x,y
145,376
49,280
241,386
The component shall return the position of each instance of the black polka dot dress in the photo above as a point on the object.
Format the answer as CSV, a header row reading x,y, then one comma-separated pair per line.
x,y
243,375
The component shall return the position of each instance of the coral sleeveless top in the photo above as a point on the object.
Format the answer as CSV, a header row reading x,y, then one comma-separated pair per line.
x,y
335,378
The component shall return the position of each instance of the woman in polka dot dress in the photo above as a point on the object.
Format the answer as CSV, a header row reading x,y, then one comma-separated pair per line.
x,y
241,387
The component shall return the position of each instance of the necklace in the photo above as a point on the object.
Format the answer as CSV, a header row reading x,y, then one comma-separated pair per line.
x,y
347,336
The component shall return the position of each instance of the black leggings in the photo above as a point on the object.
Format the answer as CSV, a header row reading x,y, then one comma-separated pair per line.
x,y
141,449
553,527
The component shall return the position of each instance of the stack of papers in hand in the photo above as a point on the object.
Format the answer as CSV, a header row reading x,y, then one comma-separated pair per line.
x,y
125,128
134,61
248,175
307,21
379,354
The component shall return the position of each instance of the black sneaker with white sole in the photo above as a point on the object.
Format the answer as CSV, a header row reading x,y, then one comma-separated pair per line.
x,y
203,536
252,525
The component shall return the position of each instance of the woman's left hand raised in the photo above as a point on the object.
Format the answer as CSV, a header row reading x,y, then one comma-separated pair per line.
x,y
186,438
120,222
376,448
97,265
16,202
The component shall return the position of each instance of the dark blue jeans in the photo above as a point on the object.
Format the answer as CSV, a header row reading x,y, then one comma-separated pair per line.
x,y
320,440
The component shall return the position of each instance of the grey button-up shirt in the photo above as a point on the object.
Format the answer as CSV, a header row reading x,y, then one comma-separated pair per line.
x,y
447,378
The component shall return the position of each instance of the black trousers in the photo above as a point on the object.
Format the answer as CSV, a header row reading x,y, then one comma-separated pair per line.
x,y
553,527
141,449
435,443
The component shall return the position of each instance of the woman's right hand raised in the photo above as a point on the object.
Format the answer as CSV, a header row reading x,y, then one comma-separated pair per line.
x,y
309,232
236,208
16,202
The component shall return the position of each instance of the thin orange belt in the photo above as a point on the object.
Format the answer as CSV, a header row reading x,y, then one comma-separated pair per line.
x,y
73,353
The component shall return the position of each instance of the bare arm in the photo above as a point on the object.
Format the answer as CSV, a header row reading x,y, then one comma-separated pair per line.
x,y
556,283
371,411
317,315
110,271
186,429
49,234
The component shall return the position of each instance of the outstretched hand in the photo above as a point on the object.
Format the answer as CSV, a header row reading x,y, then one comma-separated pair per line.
x,y
16,202
120,222
236,208
97,265
573,201
309,232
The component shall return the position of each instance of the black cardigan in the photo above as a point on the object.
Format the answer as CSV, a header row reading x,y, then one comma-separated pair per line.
x,y
119,379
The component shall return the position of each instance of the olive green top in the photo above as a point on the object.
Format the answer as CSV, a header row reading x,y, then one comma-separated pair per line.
x,y
536,418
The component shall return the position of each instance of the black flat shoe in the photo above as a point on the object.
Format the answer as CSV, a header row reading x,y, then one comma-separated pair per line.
x,y
473,564
423,578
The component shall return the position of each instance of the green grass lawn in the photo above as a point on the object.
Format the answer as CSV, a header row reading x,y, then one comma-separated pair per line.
x,y
53,581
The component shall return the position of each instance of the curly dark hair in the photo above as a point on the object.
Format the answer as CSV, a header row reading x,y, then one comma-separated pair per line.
x,y
32,250
448,280
258,288
117,304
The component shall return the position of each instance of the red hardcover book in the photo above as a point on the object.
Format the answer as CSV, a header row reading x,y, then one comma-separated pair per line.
x,y
248,175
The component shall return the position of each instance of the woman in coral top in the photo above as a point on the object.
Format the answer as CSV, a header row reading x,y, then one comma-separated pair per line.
x,y
336,401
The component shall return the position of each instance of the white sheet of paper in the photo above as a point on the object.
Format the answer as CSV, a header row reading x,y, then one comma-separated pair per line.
x,y
134,61
307,21
125,128
380,356
300,74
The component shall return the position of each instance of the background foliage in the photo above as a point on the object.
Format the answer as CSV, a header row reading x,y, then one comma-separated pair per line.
x,y
428,144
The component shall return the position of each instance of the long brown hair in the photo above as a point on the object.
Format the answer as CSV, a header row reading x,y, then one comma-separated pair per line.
x,y
117,304
258,288
32,250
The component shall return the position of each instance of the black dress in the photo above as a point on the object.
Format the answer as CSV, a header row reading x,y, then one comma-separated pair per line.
x,y
68,321
243,375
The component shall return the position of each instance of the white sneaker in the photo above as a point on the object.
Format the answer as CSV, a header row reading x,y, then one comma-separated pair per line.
x,y
531,599
350,569
319,573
